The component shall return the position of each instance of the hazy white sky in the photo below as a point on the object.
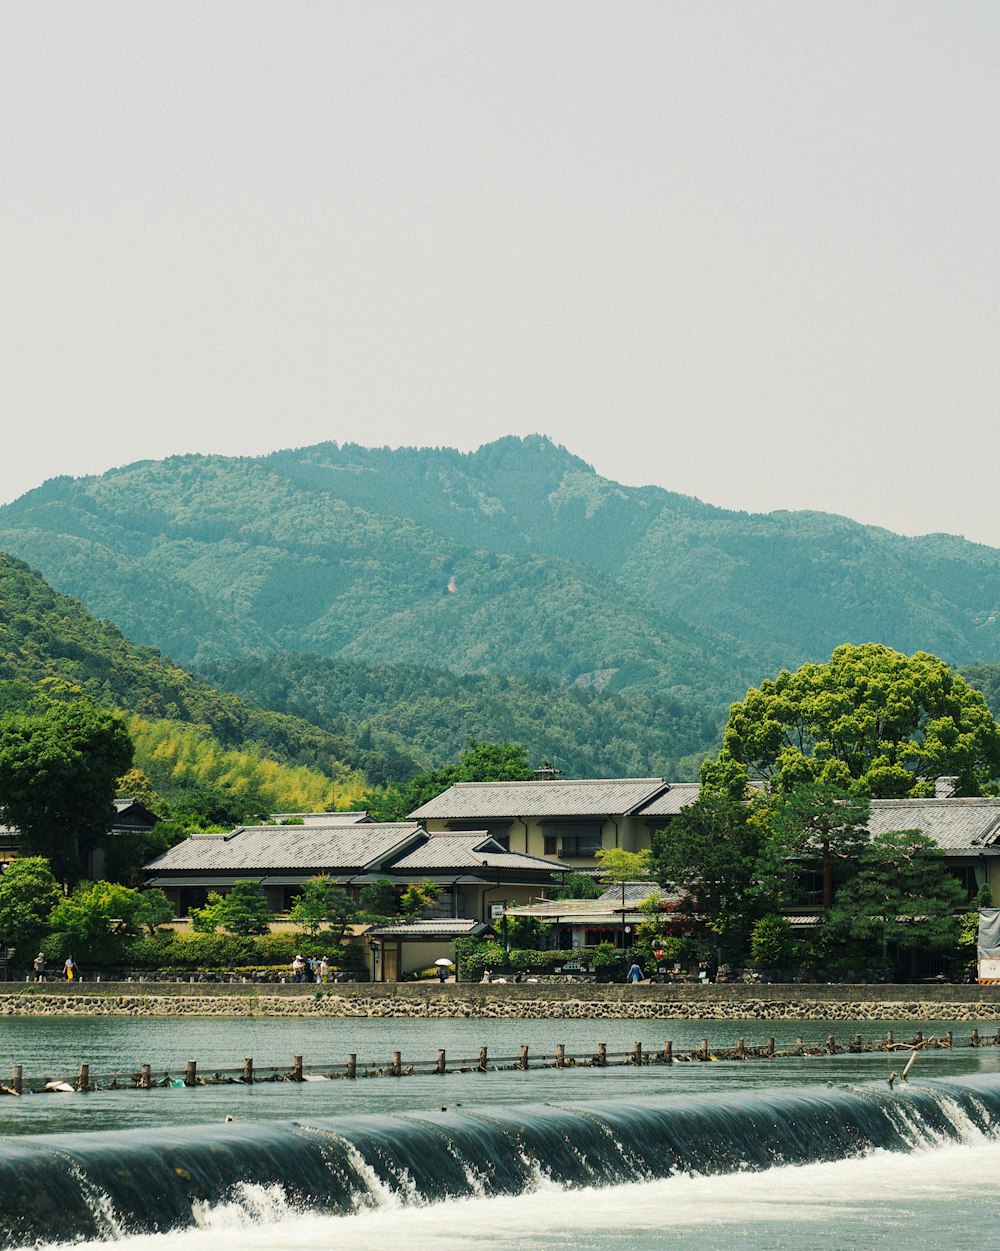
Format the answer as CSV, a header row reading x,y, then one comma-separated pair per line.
x,y
745,251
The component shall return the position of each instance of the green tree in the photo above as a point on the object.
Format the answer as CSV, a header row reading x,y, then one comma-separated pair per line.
x,y
153,909
709,854
903,897
96,921
28,893
869,715
417,898
377,901
58,771
244,910
771,943
816,821
578,886
323,901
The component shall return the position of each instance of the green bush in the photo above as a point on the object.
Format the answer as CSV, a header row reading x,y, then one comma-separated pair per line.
x,y
771,943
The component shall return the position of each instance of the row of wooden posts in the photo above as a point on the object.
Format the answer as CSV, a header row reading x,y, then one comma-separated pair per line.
x,y
247,1074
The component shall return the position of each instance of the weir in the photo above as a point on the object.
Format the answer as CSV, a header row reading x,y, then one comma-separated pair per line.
x,y
103,1185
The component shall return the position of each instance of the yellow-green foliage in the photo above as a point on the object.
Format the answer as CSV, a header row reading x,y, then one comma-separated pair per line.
x,y
174,752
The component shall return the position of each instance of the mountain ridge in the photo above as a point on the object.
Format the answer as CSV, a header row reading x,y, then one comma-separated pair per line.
x,y
514,557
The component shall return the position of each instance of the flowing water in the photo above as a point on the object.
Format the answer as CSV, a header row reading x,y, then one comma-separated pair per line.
x,y
797,1153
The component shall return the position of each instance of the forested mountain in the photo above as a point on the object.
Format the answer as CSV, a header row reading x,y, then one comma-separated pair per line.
x,y
516,558
49,641
431,714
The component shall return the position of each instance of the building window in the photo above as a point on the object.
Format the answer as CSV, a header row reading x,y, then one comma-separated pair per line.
x,y
573,840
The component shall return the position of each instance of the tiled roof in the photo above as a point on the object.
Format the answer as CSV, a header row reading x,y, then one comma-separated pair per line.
x,y
264,848
671,801
556,798
470,851
323,818
954,824
439,928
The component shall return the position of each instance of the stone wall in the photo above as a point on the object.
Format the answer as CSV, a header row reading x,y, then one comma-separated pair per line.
x,y
617,1002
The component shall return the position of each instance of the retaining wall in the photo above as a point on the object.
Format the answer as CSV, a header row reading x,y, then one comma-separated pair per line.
x,y
611,1002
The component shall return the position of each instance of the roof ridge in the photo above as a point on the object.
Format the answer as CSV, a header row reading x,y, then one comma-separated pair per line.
x,y
565,782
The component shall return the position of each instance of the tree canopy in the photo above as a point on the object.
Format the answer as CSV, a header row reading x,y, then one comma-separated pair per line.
x,y
709,854
903,896
58,772
869,715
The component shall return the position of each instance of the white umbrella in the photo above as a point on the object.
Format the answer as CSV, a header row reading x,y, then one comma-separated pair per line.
x,y
444,963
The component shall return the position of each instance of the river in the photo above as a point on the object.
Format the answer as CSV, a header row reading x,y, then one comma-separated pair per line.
x,y
799,1152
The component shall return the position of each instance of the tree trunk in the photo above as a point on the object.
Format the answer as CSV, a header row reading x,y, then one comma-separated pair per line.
x,y
827,878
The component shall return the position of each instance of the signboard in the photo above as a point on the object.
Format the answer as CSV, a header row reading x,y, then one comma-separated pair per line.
x,y
496,911
989,969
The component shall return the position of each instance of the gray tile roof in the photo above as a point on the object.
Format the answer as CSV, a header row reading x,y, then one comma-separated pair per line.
x,y
670,802
966,825
473,801
470,851
439,928
257,849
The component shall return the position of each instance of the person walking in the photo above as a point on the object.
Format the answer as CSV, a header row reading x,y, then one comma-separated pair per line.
x,y
634,974
38,964
69,968
298,965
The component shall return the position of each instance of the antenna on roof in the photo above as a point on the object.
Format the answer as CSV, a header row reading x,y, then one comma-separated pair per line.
x,y
546,772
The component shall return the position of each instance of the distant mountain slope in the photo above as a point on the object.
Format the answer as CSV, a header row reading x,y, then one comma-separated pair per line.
x,y
46,638
515,558
211,558
431,714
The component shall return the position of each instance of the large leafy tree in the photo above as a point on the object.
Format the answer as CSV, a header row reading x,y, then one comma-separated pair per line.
x,y
869,715
815,822
903,896
57,780
709,853
28,893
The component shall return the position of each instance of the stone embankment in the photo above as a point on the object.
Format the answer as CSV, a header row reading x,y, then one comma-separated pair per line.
x,y
576,1002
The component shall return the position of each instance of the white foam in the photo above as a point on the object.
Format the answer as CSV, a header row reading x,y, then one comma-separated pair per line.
x,y
879,1193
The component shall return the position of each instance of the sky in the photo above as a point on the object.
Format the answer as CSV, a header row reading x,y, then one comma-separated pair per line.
x,y
747,252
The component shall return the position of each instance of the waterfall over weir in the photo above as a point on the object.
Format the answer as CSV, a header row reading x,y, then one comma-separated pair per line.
x,y
107,1185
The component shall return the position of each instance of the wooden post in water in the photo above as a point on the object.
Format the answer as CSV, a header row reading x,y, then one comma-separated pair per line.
x,y
297,1069
522,1063
397,1064
145,1077
482,1059
248,1070
949,1039
996,1036
889,1038
974,1040
703,1051
560,1055
831,1045
352,1064
602,1055
191,1073
918,1038
17,1079
770,1049
668,1052
741,1049
441,1066
799,1045
856,1045
83,1077
637,1053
